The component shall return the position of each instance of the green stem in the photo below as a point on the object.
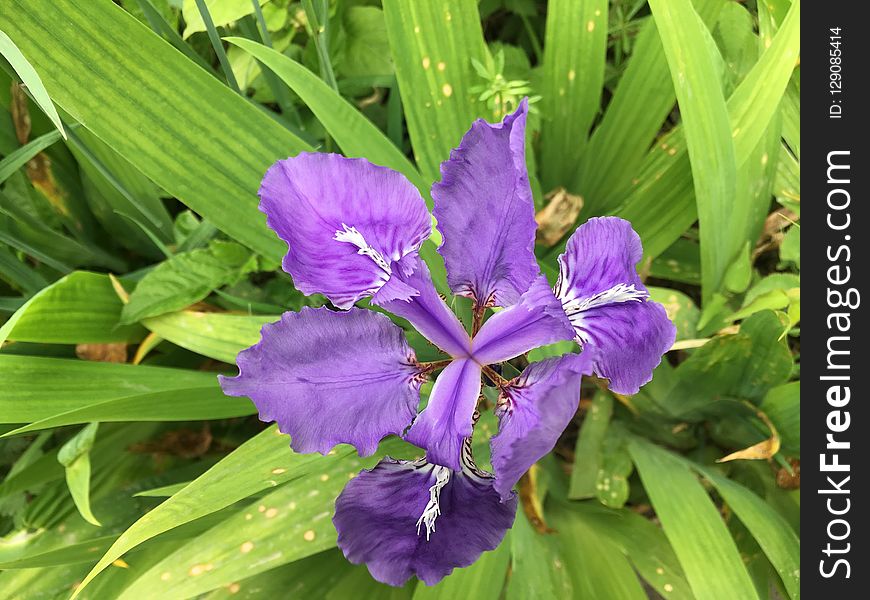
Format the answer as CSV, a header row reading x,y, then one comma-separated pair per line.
x,y
218,46
320,34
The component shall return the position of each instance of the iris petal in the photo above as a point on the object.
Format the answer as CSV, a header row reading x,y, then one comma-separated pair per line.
x,y
376,518
485,212
614,321
536,320
346,223
429,314
533,412
447,420
331,377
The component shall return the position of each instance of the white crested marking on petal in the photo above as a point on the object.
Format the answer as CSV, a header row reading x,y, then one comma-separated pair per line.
x,y
575,306
351,235
433,508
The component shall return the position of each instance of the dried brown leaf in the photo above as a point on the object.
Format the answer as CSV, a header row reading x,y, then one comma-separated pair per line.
x,y
116,353
558,216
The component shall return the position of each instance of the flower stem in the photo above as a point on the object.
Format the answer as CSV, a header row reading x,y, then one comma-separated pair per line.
x,y
497,379
477,321
428,367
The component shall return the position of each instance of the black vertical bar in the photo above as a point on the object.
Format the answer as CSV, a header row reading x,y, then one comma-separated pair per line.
x,y
835,414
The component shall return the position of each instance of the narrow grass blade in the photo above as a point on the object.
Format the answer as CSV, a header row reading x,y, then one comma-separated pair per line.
x,y
31,79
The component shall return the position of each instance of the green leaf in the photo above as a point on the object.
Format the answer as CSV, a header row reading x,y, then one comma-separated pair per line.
x,y
115,188
661,205
790,250
433,44
262,462
483,580
708,135
22,155
30,78
597,567
692,524
52,391
611,486
584,476
217,335
680,308
575,49
289,523
641,102
75,456
222,12
744,365
79,308
187,278
772,300
538,568
768,527
680,262
642,542
366,51
310,577
172,120
355,134
782,405
80,552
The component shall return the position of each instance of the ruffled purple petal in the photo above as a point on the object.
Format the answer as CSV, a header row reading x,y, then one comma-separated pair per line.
x,y
429,314
537,320
625,342
600,255
485,212
614,321
446,421
378,519
346,223
533,412
331,377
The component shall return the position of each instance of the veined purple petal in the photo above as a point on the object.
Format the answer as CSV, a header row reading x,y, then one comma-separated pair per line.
x,y
485,212
533,412
614,321
331,377
429,314
536,320
380,520
625,341
346,223
446,421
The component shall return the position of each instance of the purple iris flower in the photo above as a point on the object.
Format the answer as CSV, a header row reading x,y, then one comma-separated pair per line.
x,y
353,231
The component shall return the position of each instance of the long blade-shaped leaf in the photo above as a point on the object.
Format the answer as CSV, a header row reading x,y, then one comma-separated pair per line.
x,y
708,135
692,524
356,135
31,79
433,43
177,124
574,55
260,463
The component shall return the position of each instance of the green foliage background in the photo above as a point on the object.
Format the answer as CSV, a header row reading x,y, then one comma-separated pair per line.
x,y
134,265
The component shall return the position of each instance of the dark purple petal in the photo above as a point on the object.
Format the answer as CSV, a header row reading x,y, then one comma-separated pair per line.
x,y
429,314
446,421
485,212
533,412
537,320
378,519
331,377
614,321
346,223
